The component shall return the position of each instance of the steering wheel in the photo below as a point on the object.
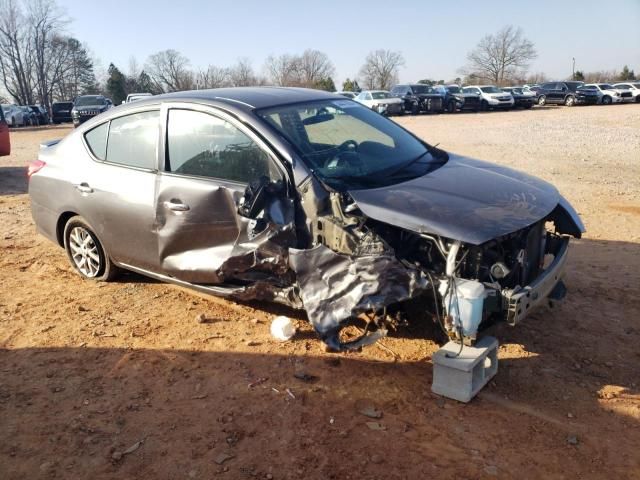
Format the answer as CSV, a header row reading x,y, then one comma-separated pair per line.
x,y
347,154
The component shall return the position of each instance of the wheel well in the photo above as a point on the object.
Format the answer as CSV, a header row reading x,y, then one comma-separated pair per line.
x,y
62,221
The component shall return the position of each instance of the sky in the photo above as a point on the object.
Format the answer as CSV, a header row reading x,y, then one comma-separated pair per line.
x,y
433,36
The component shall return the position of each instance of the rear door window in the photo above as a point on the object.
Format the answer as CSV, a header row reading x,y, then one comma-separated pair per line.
x,y
203,145
133,140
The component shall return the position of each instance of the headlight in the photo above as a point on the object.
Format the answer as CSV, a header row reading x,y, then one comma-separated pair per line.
x,y
617,94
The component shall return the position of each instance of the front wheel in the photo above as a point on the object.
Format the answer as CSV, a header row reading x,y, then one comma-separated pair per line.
x,y
542,100
606,100
570,101
451,106
86,253
484,106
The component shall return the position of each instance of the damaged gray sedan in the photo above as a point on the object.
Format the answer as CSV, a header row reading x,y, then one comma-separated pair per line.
x,y
304,198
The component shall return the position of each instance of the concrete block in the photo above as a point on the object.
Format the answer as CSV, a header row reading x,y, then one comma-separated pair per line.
x,y
462,377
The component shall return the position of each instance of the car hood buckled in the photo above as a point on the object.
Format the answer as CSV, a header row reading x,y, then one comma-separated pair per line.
x,y
465,199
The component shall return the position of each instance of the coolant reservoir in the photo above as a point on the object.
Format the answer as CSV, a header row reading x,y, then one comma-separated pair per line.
x,y
464,302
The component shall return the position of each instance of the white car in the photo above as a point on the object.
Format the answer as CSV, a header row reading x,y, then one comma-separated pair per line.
x,y
629,87
381,101
491,96
132,97
608,94
14,115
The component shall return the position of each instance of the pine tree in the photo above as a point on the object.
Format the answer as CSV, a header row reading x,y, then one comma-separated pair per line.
x,y
116,85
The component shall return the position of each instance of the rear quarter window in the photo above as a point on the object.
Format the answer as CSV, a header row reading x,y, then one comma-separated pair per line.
x,y
96,139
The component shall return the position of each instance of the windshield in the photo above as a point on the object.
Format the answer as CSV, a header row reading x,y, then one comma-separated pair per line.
x,y
453,89
490,90
419,89
379,95
605,86
86,101
347,145
517,91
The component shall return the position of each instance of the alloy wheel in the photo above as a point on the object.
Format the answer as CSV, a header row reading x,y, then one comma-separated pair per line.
x,y
84,252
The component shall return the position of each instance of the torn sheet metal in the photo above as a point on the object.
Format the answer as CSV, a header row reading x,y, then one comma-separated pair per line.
x,y
336,287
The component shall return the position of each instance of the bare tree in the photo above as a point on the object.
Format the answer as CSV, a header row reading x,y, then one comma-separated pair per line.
x,y
314,67
500,56
50,49
169,70
380,69
242,74
283,70
212,77
15,52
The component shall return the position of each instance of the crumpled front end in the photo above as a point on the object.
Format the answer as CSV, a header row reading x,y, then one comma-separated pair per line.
x,y
339,264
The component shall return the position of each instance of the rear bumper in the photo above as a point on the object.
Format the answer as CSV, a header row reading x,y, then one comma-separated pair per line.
x,y
520,301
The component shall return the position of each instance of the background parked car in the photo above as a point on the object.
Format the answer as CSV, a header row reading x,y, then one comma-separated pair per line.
x,y
351,95
465,101
608,93
419,98
381,101
490,96
563,93
632,87
132,97
13,115
520,99
41,113
86,107
61,112
5,141
30,118
587,95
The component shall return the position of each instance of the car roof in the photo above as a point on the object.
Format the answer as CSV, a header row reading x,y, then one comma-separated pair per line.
x,y
248,98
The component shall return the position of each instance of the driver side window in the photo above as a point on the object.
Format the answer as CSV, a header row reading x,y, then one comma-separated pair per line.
x,y
203,145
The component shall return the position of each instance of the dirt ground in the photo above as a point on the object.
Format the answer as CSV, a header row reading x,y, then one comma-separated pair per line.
x,y
120,380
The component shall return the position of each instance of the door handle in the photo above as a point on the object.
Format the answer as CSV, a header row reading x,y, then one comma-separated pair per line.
x,y
176,207
84,188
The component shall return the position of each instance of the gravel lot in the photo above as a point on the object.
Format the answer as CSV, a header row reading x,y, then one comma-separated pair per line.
x,y
121,380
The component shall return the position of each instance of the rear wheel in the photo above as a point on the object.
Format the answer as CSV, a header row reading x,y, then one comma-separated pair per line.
x,y
606,100
85,251
570,101
542,100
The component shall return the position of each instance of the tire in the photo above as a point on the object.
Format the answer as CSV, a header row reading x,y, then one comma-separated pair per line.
x,y
542,100
484,106
637,98
606,100
415,109
86,253
529,106
570,101
451,106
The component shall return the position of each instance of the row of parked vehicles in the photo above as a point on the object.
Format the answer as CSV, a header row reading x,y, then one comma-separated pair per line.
x,y
418,98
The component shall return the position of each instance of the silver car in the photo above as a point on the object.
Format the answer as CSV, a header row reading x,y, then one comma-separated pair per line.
x,y
306,198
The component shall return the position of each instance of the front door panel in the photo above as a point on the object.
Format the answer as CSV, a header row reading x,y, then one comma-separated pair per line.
x,y
197,226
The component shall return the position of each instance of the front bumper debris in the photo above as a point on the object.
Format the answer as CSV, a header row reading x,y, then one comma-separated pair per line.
x,y
519,302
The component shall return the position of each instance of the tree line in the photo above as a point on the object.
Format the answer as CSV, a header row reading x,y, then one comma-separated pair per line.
x,y
41,63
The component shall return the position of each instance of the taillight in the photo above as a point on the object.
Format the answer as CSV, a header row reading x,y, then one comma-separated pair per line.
x,y
35,167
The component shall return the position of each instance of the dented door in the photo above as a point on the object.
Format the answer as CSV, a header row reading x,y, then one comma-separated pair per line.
x,y
210,159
